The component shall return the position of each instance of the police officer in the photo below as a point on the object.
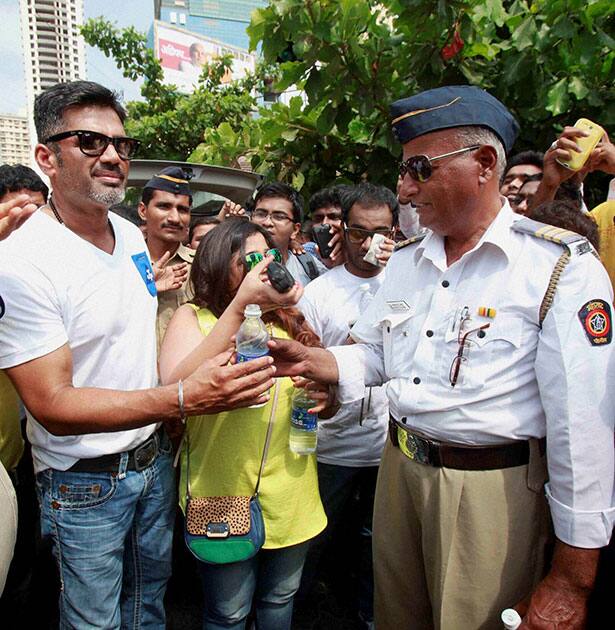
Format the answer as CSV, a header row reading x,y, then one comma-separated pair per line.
x,y
165,208
494,333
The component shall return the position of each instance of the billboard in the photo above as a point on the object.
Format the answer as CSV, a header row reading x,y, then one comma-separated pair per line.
x,y
182,55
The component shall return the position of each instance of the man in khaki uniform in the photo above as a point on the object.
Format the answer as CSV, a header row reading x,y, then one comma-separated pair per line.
x,y
165,207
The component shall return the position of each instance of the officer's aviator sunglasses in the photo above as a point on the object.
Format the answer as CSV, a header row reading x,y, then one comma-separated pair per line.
x,y
94,144
419,166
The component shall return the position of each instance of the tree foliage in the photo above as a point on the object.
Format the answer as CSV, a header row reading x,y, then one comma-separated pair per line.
x,y
170,123
549,61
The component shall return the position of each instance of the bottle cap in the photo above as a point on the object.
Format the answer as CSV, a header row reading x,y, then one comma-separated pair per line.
x,y
511,619
252,310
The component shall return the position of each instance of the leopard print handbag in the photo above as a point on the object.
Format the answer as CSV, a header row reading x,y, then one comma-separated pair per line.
x,y
221,530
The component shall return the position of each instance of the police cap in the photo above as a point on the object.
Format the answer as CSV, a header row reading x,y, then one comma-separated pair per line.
x,y
452,106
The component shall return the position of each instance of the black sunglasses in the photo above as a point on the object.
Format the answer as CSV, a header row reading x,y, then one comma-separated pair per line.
x,y
419,166
93,144
358,235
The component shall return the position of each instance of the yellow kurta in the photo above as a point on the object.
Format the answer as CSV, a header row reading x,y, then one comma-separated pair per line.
x,y
225,456
604,216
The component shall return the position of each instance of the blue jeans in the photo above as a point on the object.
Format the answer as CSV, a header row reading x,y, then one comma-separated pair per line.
x,y
271,579
111,535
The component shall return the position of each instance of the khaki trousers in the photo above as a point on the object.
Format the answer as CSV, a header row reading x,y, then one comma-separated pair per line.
x,y
8,523
453,548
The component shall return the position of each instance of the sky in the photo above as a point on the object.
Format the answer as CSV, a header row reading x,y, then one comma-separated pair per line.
x,y
137,13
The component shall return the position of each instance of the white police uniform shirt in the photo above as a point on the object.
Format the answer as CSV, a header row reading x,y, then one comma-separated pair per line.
x,y
356,434
58,288
519,381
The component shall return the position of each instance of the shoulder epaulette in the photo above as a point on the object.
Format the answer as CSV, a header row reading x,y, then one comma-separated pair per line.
x,y
417,238
572,242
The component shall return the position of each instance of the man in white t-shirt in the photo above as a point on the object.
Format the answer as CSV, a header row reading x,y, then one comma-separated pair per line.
x,y
278,208
351,442
77,339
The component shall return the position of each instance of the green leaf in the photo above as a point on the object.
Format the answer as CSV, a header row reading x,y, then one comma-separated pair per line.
x,y
291,72
557,97
298,180
358,131
326,120
605,39
295,106
525,34
563,28
578,88
290,135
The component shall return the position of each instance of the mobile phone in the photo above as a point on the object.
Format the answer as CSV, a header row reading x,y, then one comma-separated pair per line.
x,y
587,144
281,279
322,236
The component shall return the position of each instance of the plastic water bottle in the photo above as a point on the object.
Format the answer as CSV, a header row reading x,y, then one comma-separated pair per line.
x,y
252,337
511,619
303,426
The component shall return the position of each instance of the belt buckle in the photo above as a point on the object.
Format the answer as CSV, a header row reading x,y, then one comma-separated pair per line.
x,y
413,447
145,454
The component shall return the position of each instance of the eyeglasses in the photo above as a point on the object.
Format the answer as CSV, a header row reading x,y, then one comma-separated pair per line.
x,y
94,144
253,258
464,342
419,166
276,217
358,235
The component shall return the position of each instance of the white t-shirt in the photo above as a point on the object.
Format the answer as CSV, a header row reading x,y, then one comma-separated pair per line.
x,y
57,288
331,304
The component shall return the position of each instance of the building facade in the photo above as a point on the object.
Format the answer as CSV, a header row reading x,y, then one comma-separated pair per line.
x,y
53,49
222,20
14,140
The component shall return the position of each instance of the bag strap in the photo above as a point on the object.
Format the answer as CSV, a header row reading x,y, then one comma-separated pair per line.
x,y
268,437
309,265
265,447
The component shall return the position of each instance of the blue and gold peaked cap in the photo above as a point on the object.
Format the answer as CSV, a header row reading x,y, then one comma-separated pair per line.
x,y
452,106
172,179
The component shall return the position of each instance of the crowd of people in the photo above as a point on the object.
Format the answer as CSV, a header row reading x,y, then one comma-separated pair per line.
x,y
454,336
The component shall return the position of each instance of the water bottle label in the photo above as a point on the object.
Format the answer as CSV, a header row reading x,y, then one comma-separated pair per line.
x,y
241,358
303,420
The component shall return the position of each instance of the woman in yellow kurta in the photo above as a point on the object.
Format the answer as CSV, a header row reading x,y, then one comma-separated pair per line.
x,y
226,448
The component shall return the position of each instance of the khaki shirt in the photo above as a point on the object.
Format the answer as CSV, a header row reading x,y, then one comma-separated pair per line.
x,y
170,301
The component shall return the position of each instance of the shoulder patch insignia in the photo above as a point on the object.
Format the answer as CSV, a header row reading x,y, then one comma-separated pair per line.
x,y
146,272
571,241
417,238
595,317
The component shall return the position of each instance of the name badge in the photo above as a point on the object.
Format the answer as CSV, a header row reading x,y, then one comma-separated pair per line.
x,y
146,272
398,306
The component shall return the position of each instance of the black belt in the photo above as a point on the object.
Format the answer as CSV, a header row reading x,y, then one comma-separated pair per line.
x,y
434,453
139,457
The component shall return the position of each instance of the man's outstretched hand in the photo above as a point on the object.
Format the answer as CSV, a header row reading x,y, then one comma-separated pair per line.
x,y
292,358
169,277
13,213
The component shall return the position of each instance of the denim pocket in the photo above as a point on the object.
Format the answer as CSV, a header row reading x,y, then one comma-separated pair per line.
x,y
73,491
166,447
